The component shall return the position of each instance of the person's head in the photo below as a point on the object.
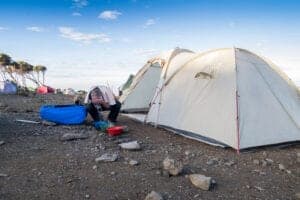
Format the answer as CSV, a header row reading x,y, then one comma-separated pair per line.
x,y
96,96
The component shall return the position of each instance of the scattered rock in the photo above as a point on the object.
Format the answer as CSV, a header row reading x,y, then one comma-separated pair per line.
x,y
47,123
95,167
112,173
212,161
289,171
133,162
264,163
229,163
3,175
87,196
39,173
297,195
134,145
107,157
256,162
201,181
269,161
154,196
265,154
281,167
259,188
72,136
187,152
173,167
2,142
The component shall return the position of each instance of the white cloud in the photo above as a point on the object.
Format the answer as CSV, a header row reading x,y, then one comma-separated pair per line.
x,y
76,14
232,24
109,14
3,28
35,29
145,52
72,34
149,22
79,3
126,40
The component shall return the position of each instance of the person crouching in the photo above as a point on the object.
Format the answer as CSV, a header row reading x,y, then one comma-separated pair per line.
x,y
101,98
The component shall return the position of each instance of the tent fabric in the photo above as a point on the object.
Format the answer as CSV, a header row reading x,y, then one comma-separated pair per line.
x,y
138,96
8,87
231,96
45,90
63,114
127,84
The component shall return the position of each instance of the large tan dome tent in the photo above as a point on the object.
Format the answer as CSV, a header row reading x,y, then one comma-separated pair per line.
x,y
230,97
138,96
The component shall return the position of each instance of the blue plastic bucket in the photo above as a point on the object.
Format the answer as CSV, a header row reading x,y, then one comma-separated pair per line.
x,y
63,114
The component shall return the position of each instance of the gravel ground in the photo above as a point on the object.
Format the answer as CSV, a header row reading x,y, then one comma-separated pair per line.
x,y
36,164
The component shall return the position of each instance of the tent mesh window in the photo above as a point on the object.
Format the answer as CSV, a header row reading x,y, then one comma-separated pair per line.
x,y
206,73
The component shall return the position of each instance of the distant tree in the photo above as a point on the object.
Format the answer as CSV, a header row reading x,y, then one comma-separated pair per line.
x,y
12,70
23,69
40,69
20,71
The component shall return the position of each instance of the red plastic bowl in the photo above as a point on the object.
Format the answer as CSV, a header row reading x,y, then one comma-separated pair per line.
x,y
115,130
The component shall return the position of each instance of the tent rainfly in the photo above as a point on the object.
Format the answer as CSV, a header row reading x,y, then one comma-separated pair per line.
x,y
137,97
229,97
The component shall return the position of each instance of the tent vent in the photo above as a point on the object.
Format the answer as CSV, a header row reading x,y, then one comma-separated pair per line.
x,y
204,75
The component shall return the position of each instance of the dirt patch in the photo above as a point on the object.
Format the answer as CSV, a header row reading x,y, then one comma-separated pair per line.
x,y
40,166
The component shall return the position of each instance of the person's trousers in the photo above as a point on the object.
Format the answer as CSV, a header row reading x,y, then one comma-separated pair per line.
x,y
97,116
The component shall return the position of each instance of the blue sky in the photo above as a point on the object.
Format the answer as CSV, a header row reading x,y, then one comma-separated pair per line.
x,y
88,42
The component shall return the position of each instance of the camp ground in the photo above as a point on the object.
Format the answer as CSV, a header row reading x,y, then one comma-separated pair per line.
x,y
225,97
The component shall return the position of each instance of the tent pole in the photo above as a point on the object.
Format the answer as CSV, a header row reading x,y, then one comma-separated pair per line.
x,y
237,105
237,122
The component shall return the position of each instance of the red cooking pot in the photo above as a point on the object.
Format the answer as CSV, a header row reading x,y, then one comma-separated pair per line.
x,y
115,130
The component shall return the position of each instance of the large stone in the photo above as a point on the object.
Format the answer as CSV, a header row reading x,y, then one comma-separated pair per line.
x,y
134,145
201,181
107,157
133,162
2,142
173,167
154,196
256,162
269,161
73,136
281,167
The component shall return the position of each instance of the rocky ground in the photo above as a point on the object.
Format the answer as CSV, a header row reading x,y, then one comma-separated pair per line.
x,y
35,162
